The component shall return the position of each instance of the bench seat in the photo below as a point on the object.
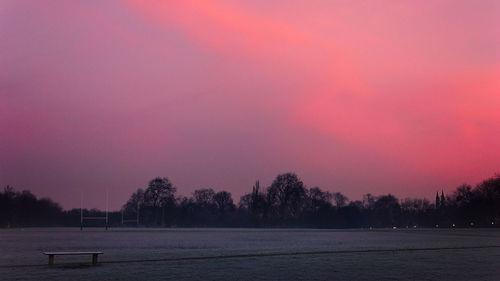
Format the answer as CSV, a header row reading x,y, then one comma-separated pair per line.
x,y
94,254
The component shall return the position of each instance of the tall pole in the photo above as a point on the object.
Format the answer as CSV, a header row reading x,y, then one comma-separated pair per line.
x,y
137,214
107,208
81,210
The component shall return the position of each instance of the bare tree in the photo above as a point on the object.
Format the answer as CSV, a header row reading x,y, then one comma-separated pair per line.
x,y
340,199
287,195
158,195
204,197
135,201
223,201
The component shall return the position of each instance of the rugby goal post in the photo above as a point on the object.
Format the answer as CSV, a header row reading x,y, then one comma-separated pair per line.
x,y
83,218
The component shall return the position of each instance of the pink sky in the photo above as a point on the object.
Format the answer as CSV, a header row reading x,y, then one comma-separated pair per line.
x,y
398,97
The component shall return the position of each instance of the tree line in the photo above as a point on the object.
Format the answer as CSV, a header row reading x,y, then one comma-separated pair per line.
x,y
287,202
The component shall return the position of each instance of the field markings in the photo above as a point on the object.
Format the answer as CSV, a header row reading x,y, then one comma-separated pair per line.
x,y
275,254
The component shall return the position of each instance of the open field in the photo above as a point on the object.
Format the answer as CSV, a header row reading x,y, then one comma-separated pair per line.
x,y
253,254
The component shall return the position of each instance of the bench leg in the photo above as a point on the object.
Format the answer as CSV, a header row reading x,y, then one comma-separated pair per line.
x,y
51,259
94,259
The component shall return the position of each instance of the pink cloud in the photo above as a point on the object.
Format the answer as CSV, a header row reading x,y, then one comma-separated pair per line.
x,y
221,93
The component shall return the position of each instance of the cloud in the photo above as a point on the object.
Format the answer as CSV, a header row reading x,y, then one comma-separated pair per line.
x,y
221,93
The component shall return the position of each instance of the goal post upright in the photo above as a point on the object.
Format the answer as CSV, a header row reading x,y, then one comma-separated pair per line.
x,y
107,197
138,213
105,218
130,219
81,210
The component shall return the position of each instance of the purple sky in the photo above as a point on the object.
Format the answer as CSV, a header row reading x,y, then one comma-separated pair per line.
x,y
357,97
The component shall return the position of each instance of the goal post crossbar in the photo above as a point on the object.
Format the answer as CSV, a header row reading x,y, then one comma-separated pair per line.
x,y
82,218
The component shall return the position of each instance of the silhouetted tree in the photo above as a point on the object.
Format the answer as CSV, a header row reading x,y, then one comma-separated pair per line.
x,y
368,201
257,205
414,212
224,202
318,210
286,196
286,202
340,199
318,198
463,195
387,211
20,209
204,197
135,202
158,196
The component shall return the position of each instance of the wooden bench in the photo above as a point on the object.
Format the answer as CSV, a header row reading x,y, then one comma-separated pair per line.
x,y
51,255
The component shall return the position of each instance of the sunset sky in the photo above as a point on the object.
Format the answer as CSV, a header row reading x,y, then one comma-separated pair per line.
x,y
398,97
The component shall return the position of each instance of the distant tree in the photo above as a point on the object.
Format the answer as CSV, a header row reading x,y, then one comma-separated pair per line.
x,y
437,200
18,209
26,207
318,198
245,202
387,211
319,211
159,195
340,199
414,211
257,204
160,191
7,206
487,200
9,192
350,216
206,212
224,202
463,195
286,202
49,213
135,201
204,197
287,195
368,201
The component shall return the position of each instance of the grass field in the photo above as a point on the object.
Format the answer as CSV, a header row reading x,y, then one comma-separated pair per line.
x,y
253,254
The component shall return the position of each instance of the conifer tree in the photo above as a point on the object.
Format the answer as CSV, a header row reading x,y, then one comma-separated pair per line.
x,y
437,200
442,199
